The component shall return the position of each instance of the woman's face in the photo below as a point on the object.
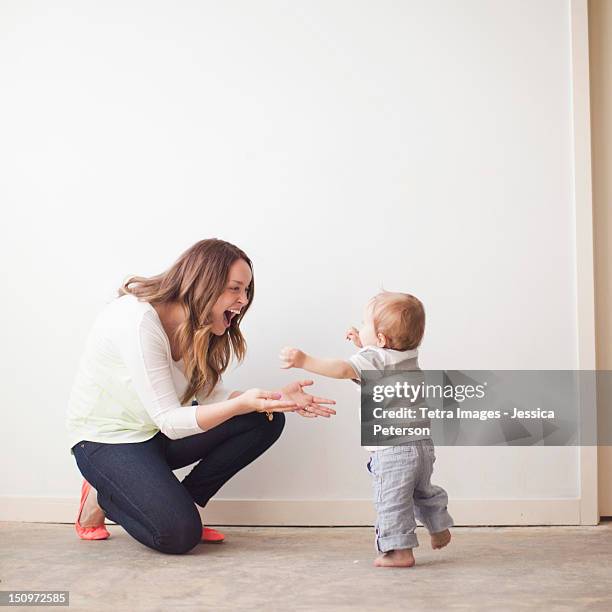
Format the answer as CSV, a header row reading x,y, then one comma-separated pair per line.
x,y
234,298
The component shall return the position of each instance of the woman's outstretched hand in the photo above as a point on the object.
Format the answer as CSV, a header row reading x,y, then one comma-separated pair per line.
x,y
307,405
260,400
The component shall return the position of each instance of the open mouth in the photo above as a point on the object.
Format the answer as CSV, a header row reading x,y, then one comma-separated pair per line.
x,y
228,315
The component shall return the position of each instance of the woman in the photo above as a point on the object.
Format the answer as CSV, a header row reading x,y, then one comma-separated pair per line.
x,y
148,399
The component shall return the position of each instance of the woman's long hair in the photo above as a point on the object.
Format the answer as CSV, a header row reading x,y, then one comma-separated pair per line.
x,y
196,280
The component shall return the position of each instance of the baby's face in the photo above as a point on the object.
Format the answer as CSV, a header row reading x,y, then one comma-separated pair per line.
x,y
367,332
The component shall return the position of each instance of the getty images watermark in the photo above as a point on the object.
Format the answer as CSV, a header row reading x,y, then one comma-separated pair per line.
x,y
487,407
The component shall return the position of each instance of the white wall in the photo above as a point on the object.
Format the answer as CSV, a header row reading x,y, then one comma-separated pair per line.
x,y
423,146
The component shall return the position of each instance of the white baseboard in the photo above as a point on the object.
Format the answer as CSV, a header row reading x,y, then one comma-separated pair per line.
x,y
466,512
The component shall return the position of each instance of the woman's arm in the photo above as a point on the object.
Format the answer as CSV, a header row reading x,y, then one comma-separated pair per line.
x,y
253,400
306,405
142,347
210,415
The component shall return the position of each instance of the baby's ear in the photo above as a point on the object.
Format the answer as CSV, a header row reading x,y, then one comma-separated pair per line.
x,y
381,340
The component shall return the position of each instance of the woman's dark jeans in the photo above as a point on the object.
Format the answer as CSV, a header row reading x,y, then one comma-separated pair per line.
x,y
137,489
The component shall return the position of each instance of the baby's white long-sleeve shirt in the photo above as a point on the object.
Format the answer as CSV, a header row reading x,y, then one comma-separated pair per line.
x,y
127,386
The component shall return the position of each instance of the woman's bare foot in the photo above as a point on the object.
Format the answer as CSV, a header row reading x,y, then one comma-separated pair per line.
x,y
91,514
440,539
395,558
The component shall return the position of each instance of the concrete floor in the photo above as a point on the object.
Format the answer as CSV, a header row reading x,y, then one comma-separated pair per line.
x,y
519,568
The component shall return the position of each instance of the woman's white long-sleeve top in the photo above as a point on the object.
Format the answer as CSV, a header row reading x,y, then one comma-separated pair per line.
x,y
127,387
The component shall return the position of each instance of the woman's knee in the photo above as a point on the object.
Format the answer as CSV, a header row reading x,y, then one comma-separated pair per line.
x,y
179,536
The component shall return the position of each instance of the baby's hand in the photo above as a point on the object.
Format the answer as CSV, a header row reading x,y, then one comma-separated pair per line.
x,y
352,334
292,358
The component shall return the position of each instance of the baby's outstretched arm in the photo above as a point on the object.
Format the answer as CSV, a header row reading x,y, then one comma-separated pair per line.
x,y
333,368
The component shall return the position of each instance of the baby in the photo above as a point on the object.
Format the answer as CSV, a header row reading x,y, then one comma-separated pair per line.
x,y
393,326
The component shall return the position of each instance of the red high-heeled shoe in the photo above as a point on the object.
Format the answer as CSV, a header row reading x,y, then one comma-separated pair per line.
x,y
89,533
212,535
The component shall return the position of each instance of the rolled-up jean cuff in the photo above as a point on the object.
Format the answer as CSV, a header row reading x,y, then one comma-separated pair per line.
x,y
397,542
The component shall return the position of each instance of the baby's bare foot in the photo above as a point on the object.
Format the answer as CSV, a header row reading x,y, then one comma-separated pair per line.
x,y
440,539
395,558
91,514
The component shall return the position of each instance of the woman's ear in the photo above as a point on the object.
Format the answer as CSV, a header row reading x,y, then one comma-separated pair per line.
x,y
381,340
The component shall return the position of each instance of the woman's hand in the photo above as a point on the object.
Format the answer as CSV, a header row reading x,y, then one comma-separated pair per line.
x,y
260,400
352,334
292,358
307,405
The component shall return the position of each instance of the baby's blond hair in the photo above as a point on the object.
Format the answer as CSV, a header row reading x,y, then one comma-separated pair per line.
x,y
400,317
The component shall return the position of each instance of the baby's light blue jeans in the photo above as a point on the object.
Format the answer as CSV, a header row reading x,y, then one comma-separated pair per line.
x,y
403,492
